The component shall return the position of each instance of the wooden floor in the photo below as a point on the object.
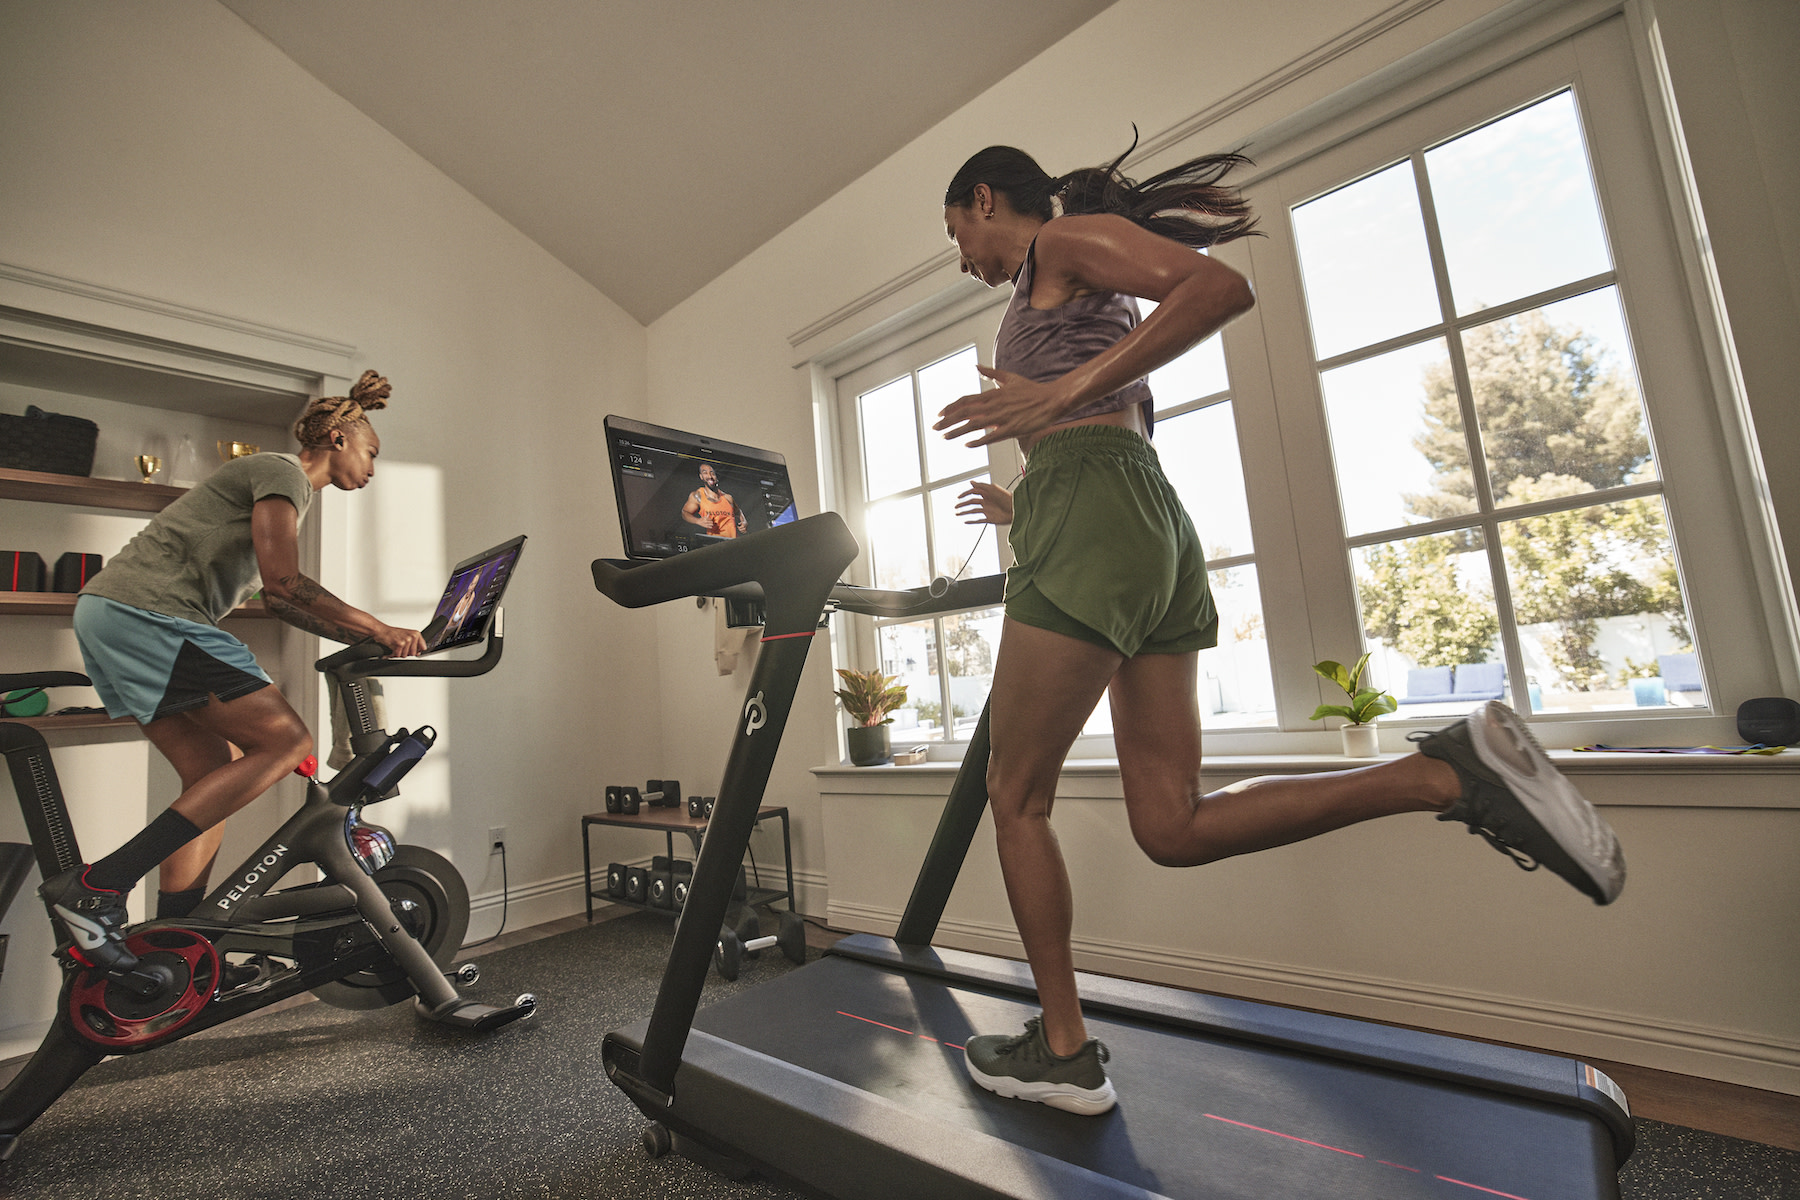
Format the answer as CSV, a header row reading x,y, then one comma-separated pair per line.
x,y
1722,1108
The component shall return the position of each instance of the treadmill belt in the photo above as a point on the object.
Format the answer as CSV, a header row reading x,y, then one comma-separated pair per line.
x,y
1197,1116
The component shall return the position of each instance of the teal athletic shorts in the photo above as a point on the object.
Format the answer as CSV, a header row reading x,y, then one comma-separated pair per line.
x,y
1103,549
147,665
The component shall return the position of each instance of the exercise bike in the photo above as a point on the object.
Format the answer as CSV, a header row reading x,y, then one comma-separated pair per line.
x,y
383,923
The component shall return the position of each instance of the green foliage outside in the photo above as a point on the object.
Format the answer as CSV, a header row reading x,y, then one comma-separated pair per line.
x,y
1556,421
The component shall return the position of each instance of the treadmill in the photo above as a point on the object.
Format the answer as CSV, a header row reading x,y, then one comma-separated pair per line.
x,y
844,1078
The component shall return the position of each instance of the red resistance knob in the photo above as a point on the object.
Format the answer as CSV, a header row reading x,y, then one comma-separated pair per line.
x,y
309,766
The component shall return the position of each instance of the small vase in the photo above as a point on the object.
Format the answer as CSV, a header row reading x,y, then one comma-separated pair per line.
x,y
1360,741
869,745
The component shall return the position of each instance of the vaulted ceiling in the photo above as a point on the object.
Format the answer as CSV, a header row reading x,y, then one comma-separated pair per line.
x,y
650,145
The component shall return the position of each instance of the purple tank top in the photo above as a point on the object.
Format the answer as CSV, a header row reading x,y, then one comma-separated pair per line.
x,y
1043,344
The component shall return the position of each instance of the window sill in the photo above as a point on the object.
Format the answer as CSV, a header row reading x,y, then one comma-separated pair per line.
x,y
1100,776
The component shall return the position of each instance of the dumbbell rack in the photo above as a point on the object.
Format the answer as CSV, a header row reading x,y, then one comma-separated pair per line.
x,y
671,821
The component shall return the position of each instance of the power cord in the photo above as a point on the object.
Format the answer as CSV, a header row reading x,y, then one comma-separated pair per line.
x,y
505,888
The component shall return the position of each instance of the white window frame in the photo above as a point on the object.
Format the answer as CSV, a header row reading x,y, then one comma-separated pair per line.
x,y
856,639
1720,523
1279,382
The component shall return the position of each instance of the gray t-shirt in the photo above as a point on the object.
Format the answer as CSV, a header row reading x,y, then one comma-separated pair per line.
x,y
195,559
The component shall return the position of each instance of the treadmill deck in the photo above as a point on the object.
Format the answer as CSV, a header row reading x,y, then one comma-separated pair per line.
x,y
1197,1116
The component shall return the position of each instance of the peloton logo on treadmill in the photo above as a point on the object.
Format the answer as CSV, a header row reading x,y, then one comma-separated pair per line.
x,y
756,715
255,873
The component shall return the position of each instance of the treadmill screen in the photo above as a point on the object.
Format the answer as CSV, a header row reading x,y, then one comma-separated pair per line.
x,y
473,593
680,491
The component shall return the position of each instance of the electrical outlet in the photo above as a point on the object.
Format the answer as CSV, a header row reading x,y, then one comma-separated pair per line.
x,y
496,839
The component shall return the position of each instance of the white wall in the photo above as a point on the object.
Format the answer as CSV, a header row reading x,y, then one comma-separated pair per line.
x,y
169,151
729,361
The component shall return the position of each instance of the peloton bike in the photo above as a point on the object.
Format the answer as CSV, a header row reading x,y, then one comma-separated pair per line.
x,y
383,923
845,1078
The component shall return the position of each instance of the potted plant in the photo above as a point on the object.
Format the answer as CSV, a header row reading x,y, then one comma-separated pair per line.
x,y
868,697
1365,705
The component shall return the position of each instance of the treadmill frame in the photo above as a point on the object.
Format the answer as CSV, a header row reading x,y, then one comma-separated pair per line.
x,y
720,1101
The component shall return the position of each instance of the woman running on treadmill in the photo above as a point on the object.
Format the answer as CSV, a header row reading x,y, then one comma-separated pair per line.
x,y
1108,593
148,629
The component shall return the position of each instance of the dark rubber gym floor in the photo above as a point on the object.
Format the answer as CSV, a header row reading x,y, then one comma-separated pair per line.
x,y
317,1101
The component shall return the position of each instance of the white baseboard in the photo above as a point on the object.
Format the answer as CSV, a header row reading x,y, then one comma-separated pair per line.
x,y
1731,1056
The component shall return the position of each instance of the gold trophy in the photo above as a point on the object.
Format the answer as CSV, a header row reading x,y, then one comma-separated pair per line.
x,y
231,450
147,465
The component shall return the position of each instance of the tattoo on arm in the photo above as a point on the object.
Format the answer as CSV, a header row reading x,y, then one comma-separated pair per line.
x,y
306,592
299,618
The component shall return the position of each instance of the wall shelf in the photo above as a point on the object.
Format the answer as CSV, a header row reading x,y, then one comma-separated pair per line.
x,y
95,720
62,604
120,494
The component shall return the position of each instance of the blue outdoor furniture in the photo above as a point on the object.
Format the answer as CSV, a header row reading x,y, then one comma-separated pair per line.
x,y
1466,681
1680,672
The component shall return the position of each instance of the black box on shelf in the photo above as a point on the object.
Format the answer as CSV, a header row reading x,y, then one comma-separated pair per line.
x,y
49,442
21,571
73,571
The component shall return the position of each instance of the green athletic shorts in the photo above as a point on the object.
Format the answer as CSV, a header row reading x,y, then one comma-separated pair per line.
x,y
1103,549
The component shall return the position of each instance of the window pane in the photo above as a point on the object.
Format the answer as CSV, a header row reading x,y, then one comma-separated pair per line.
x,y
1600,609
1397,439
1199,453
909,652
1428,614
1558,399
1236,688
890,438
897,543
971,641
943,381
961,546
1516,207
1366,266
1199,372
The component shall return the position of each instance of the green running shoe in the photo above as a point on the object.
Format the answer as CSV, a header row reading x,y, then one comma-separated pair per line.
x,y
1515,798
1023,1068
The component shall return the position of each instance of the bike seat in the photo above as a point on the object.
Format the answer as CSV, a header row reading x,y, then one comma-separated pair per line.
x,y
43,679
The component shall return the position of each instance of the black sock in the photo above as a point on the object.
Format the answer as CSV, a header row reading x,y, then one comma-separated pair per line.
x,y
172,906
120,870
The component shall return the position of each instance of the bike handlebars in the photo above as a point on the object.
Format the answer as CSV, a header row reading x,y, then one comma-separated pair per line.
x,y
369,659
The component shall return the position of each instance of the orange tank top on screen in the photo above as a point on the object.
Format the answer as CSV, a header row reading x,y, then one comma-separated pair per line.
x,y
720,515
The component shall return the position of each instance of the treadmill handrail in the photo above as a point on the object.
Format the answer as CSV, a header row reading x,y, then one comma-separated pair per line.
x,y
786,560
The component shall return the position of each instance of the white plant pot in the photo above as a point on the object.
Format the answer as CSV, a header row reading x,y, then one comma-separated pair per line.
x,y
1360,741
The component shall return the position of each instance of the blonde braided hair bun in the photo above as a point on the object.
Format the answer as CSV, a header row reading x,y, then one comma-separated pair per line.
x,y
328,414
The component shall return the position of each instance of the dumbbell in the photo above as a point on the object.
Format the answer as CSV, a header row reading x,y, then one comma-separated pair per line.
x,y
740,943
657,793
700,806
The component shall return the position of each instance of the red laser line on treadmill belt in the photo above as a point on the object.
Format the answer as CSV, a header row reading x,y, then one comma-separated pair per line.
x,y
1479,1188
897,1029
1384,1162
1290,1137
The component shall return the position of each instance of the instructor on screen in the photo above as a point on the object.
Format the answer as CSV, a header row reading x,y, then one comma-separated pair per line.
x,y
712,510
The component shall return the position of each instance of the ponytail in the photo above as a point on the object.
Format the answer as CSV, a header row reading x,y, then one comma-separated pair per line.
x,y
327,415
1186,203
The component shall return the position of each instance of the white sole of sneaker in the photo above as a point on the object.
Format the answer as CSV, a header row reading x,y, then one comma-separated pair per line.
x,y
1085,1102
1506,747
